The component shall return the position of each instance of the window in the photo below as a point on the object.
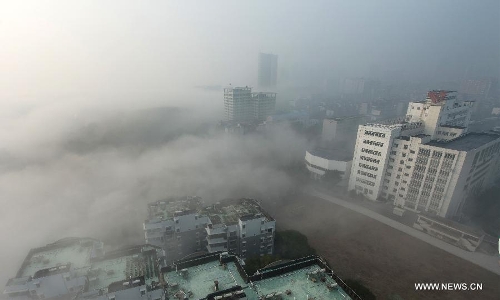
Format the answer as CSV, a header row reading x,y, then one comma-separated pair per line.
x,y
243,226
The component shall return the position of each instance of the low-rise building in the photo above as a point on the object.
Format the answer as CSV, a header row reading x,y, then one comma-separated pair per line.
x,y
183,226
78,268
222,276
322,161
451,232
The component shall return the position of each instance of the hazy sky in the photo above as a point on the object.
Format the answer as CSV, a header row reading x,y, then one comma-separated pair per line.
x,y
78,48
71,73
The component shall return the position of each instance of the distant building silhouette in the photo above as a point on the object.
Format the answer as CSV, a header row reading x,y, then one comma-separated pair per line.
x,y
268,70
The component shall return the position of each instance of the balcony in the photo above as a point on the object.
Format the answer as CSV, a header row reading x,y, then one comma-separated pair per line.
x,y
216,248
212,241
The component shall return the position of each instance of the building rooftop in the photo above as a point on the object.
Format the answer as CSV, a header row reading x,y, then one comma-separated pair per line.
x,y
221,276
226,212
300,284
467,142
118,266
198,281
332,154
78,266
230,211
69,251
454,226
168,208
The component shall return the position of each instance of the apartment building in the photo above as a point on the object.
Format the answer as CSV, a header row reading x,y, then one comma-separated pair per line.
x,y
241,105
426,162
238,105
177,226
264,105
184,226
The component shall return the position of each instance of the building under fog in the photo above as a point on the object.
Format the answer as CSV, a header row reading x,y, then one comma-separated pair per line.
x,y
78,268
338,138
241,105
428,161
268,70
183,226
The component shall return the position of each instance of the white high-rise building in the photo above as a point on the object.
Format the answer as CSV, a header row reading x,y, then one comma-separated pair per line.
x,y
428,161
241,105
238,104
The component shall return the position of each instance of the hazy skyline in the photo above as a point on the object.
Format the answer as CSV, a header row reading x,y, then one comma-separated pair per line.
x,y
74,72
132,48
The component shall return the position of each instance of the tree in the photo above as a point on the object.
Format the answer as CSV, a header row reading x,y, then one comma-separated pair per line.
x,y
291,244
252,264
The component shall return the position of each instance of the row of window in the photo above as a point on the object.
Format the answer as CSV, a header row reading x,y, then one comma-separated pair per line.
x,y
372,152
364,181
367,174
362,165
446,133
374,133
373,143
373,160
485,153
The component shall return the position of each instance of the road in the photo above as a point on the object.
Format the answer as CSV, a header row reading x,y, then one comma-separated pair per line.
x,y
487,262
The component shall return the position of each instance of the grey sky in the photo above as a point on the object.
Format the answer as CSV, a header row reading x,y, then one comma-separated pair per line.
x,y
136,47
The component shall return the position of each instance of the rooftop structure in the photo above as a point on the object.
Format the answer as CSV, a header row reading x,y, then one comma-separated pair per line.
x,y
467,142
221,276
172,207
78,268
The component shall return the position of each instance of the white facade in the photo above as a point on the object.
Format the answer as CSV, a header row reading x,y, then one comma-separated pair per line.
x,y
370,160
241,105
428,162
263,105
319,164
238,104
